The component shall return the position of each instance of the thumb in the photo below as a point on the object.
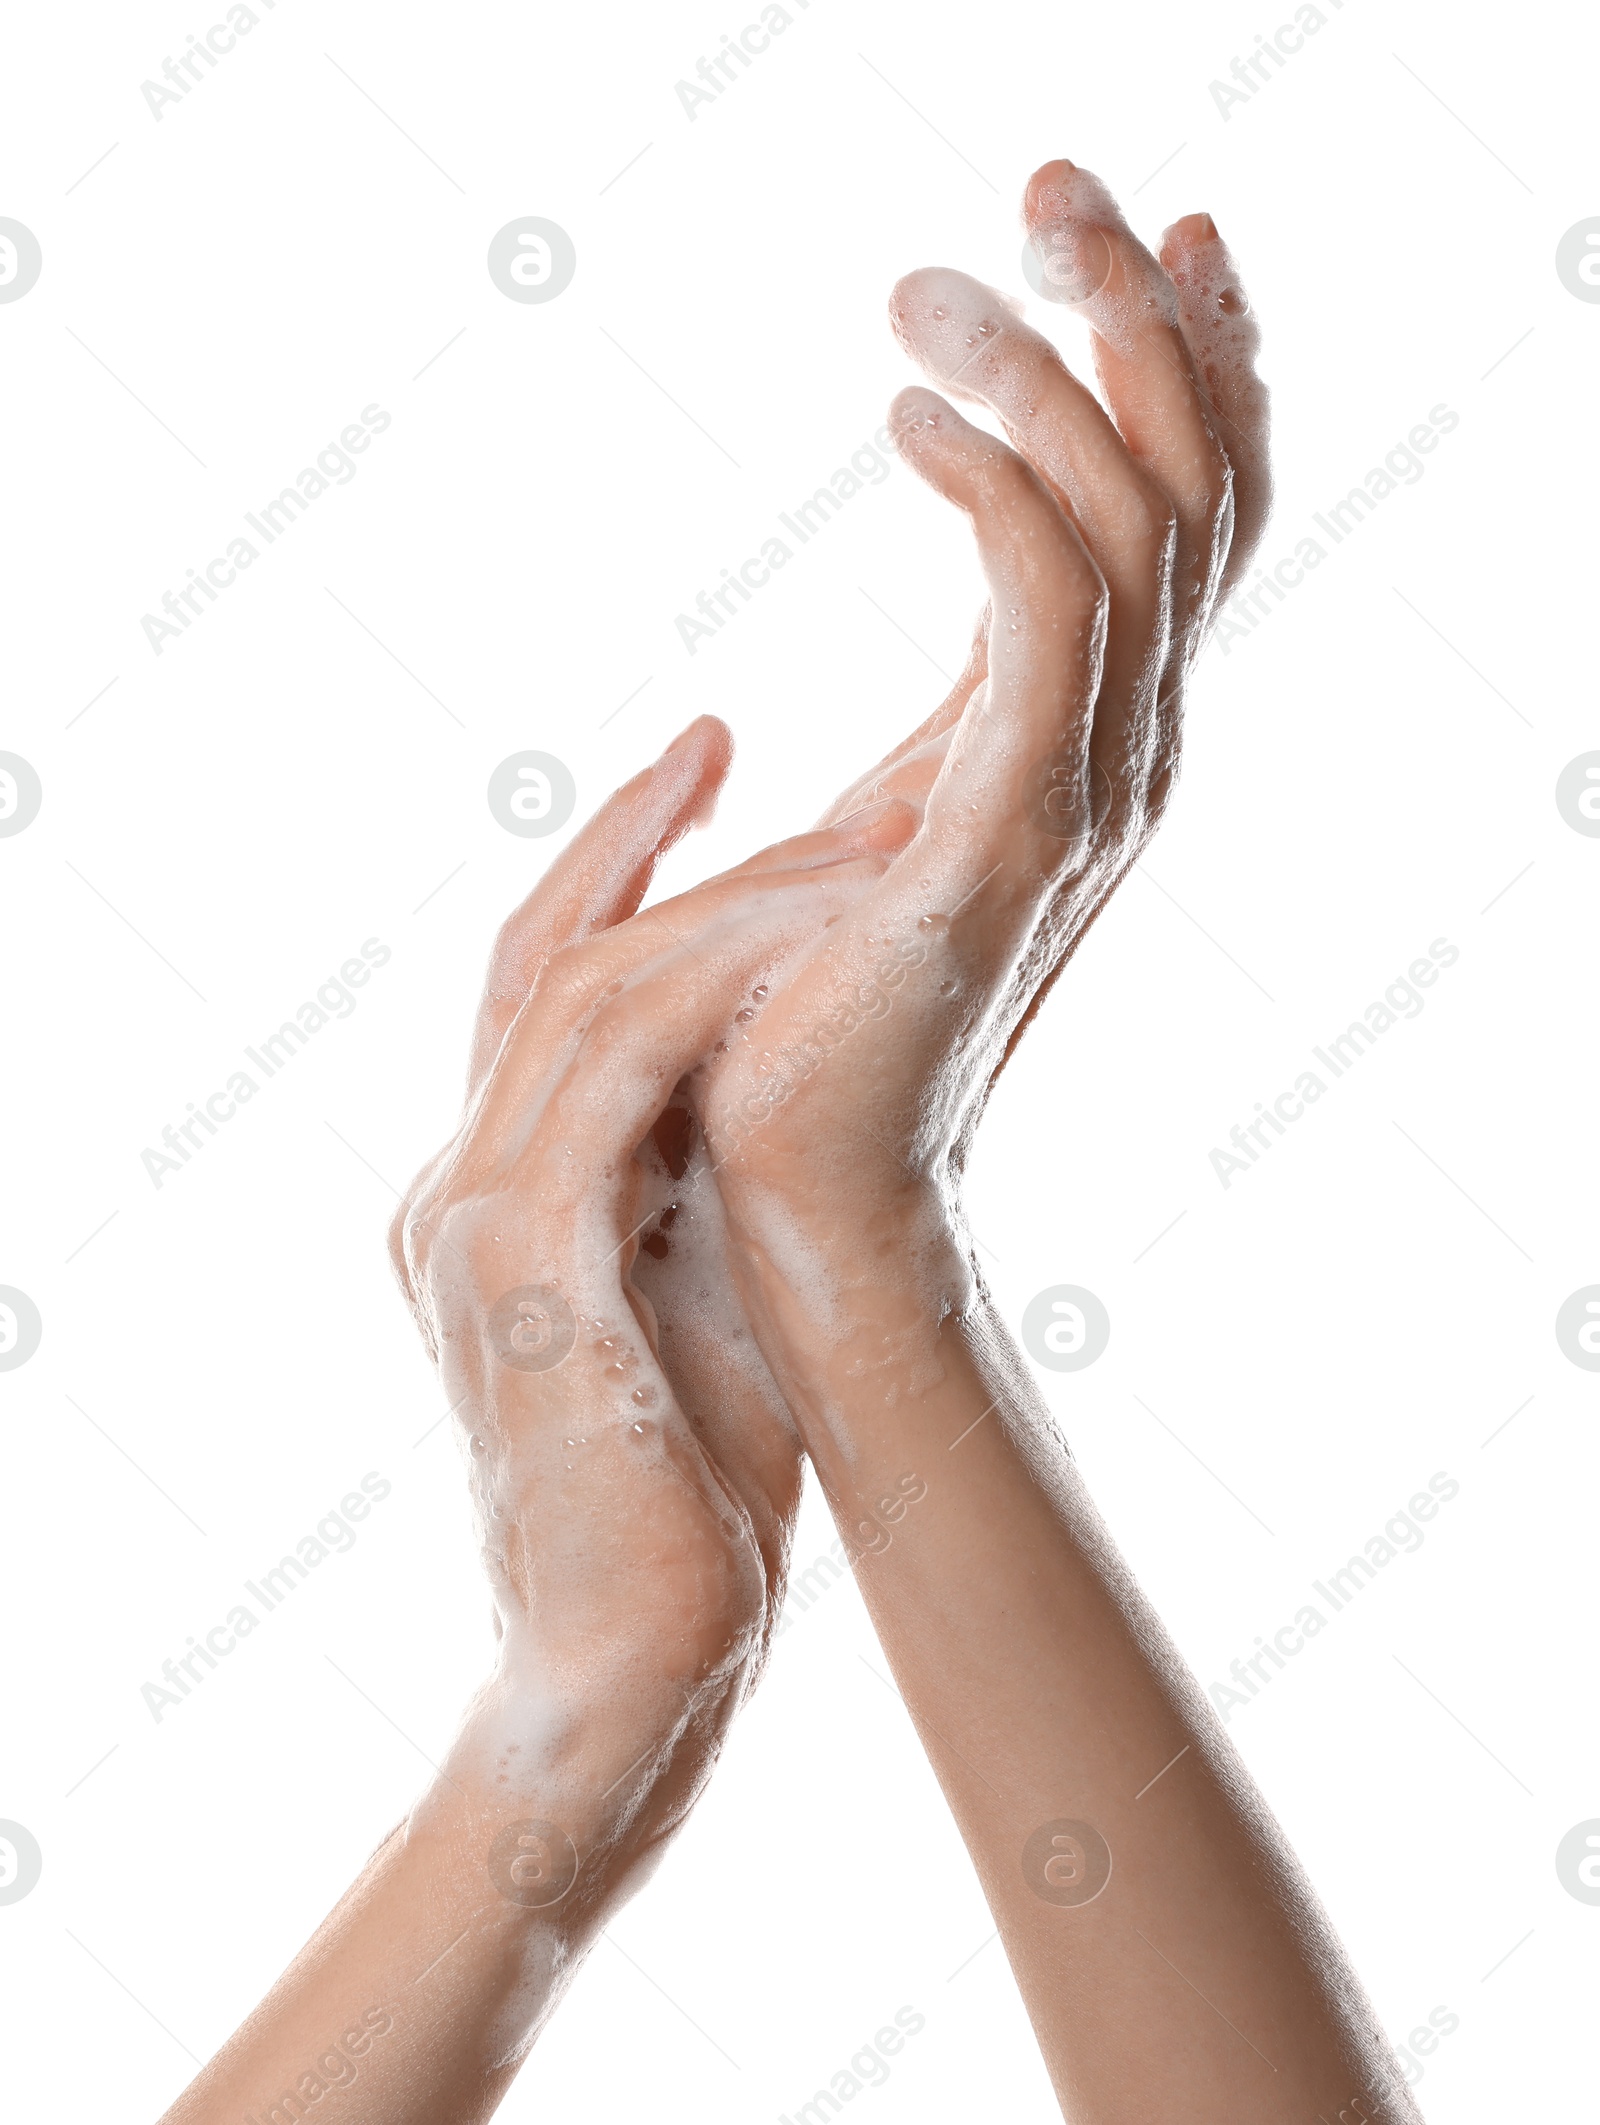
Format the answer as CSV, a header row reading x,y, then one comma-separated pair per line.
x,y
602,874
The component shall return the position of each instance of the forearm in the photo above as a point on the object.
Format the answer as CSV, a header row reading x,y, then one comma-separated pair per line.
x,y
1198,1978
418,1996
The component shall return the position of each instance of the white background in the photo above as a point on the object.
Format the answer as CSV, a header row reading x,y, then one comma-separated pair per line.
x,y
226,824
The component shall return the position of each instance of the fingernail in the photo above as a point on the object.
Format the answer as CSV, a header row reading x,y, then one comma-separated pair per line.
x,y
1194,229
1059,189
684,738
1044,185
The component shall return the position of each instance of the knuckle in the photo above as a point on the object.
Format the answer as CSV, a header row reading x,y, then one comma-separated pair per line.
x,y
399,1253
1087,583
1213,483
1163,515
610,1038
404,1229
516,952
560,978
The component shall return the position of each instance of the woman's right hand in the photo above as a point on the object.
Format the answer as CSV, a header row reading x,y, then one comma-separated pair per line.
x,y
1107,535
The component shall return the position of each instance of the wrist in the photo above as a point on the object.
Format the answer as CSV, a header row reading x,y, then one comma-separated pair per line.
x,y
521,1806
555,1806
825,1278
887,1364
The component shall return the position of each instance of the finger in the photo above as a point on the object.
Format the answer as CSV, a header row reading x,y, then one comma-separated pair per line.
x,y
1224,338
908,770
634,1050
1093,262
1031,720
598,879
971,340
879,822
575,985
602,875
701,1335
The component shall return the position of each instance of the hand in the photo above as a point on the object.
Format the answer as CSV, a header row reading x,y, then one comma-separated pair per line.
x,y
1045,1690
635,1535
1107,538
635,1491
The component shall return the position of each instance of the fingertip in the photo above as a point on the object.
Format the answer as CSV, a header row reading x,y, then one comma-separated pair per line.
x,y
915,404
913,298
1201,267
701,755
945,319
929,291
917,415
705,746
934,440
1193,246
709,732
909,290
1060,190
1188,230
1051,183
